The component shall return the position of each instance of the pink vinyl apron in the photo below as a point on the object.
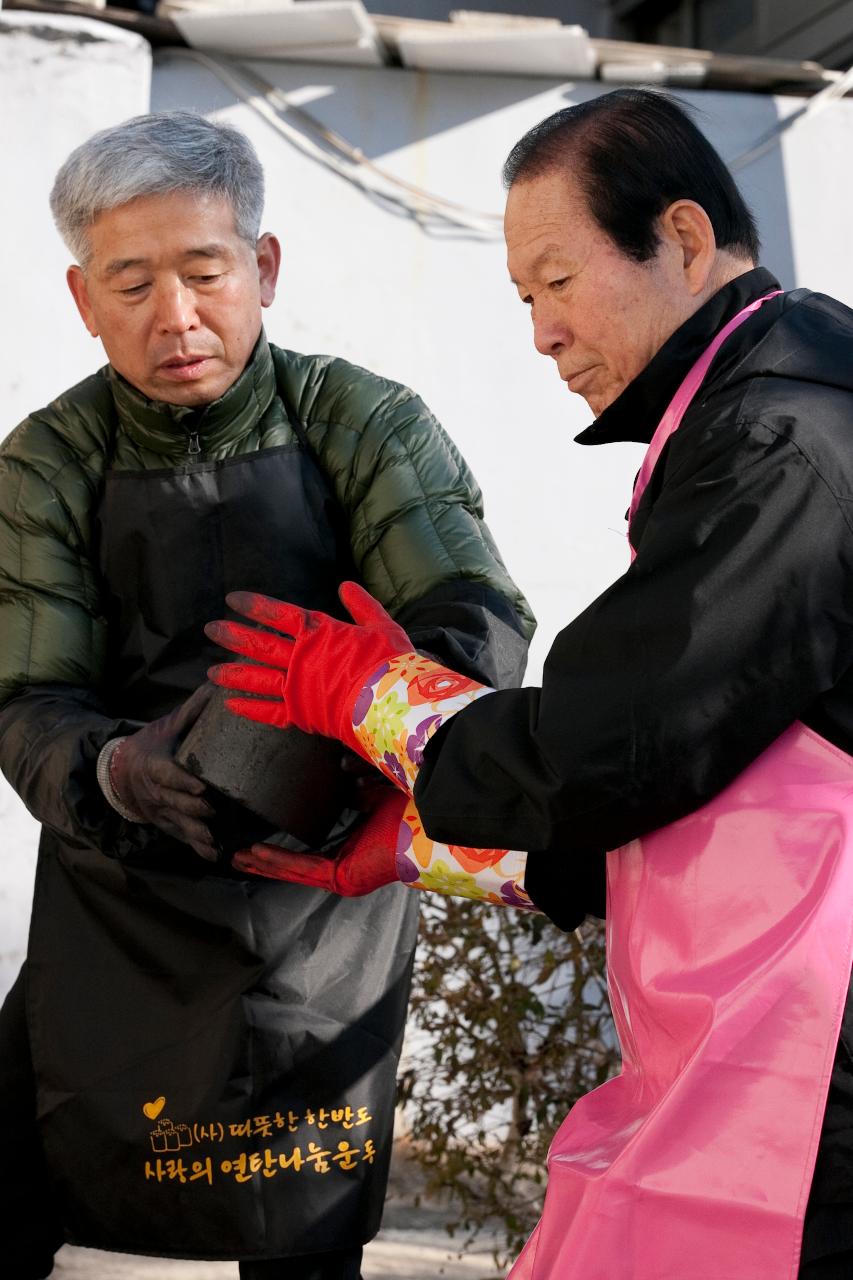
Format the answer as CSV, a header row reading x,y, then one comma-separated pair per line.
x,y
730,944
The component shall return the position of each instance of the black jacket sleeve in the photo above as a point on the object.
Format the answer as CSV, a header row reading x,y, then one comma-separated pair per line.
x,y
736,615
50,737
472,628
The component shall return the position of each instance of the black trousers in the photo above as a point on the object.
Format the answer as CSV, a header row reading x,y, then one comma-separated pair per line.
x,y
342,1265
828,1236
26,1193
839,1267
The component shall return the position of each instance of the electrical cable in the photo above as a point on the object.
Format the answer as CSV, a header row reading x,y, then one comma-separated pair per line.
x,y
832,93
341,157
350,163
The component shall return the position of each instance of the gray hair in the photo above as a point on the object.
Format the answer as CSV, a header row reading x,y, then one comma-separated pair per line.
x,y
152,155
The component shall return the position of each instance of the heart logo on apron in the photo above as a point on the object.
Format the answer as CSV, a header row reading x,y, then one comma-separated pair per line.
x,y
153,1109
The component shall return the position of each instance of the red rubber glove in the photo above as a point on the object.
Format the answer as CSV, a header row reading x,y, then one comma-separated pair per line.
x,y
312,674
367,861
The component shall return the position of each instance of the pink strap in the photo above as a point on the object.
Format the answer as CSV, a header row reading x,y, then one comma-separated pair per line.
x,y
678,406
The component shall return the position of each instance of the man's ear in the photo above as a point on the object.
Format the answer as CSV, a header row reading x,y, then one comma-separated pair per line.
x,y
687,228
268,253
80,294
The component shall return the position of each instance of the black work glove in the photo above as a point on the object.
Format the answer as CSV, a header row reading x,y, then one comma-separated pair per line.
x,y
147,780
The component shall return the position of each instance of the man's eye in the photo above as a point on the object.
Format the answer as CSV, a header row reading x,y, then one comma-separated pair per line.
x,y
207,279
133,290
558,284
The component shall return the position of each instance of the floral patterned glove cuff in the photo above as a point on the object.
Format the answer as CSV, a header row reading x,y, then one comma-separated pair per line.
x,y
402,705
487,875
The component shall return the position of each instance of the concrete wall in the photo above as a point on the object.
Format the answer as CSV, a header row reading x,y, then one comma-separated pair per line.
x,y
436,309
61,79
594,15
821,30
432,308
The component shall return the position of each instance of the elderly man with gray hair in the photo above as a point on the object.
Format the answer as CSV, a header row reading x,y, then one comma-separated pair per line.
x,y
196,1062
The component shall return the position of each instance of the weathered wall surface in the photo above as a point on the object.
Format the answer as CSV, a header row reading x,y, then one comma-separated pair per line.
x,y
436,309
433,308
61,79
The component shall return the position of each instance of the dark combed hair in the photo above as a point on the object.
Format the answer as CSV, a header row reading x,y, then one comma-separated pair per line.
x,y
634,152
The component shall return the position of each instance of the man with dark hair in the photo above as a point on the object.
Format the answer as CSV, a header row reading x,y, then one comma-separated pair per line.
x,y
210,1057
632,153
696,721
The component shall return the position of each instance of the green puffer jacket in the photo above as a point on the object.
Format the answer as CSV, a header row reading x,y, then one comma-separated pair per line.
x,y
399,480
412,507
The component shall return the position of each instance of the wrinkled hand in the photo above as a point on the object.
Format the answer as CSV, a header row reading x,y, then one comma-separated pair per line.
x,y
367,861
147,779
312,674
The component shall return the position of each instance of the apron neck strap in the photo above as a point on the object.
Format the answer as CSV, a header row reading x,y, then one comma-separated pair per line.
x,y
680,403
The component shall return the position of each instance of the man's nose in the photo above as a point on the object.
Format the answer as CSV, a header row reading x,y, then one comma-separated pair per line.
x,y
176,308
550,333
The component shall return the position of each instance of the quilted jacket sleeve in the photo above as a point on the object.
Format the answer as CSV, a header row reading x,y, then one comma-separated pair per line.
x,y
415,516
48,597
52,651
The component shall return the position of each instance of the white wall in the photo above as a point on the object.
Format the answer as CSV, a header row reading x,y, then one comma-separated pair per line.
x,y
61,79
434,310
437,310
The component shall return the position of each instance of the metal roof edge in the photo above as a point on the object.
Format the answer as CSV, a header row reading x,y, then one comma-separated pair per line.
x,y
485,39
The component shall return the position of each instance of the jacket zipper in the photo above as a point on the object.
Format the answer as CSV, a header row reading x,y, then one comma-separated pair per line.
x,y
193,446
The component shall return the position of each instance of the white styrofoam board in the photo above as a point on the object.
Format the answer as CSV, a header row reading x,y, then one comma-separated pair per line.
x,y
168,8
366,53
275,32
564,52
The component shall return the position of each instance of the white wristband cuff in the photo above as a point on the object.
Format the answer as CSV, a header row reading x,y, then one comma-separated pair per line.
x,y
105,781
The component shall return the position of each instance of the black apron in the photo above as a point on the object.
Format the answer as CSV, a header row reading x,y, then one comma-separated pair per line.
x,y
215,1054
